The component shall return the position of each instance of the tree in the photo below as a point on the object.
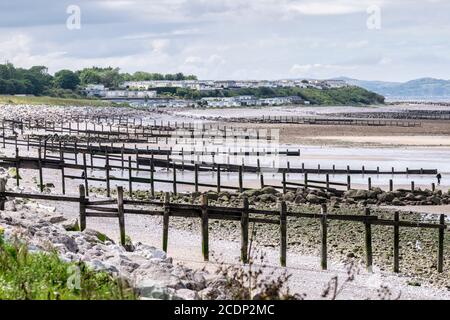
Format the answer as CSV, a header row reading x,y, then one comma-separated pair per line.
x,y
66,79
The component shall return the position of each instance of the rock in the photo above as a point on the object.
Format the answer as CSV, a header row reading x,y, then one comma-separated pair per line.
x,y
289,196
186,294
315,199
251,193
397,202
57,219
100,236
386,197
299,199
71,225
269,190
267,198
211,195
357,194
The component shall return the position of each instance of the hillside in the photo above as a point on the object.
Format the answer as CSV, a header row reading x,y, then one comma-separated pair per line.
x,y
419,88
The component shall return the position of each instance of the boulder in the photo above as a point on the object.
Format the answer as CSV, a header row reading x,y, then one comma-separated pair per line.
x,y
251,193
312,198
269,190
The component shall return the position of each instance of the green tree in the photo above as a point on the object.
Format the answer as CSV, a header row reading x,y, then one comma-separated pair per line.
x,y
66,79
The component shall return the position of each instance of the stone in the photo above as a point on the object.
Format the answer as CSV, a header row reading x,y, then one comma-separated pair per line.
x,y
315,199
71,225
186,294
251,193
269,190
56,219
267,198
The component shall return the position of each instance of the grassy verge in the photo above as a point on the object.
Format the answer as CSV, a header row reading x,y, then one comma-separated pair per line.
x,y
52,101
43,276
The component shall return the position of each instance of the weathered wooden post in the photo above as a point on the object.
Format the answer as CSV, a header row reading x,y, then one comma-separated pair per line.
x,y
205,226
121,214
152,175
62,163
196,177
369,183
2,197
283,233
412,186
41,183
244,231
130,178
241,182
86,185
349,183
261,180
284,182
108,183
368,228
166,221
82,207
433,187
324,235
327,180
17,163
441,244
218,177
391,185
396,242
174,178
306,180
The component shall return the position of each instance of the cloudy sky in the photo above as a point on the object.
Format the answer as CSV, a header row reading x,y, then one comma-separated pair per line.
x,y
234,39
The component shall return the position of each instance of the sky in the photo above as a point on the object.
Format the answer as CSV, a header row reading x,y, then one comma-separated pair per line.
x,y
390,40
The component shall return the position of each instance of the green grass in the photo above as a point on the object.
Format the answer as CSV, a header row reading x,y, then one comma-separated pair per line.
x,y
52,101
43,276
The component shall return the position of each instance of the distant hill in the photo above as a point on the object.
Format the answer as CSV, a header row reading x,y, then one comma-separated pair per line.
x,y
420,88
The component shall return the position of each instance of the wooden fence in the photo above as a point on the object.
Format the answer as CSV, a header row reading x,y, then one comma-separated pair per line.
x,y
327,121
244,214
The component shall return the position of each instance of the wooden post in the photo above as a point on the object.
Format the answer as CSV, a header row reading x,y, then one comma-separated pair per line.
x,y
261,180
174,178
433,187
120,210
130,178
2,197
241,186
196,177
41,183
283,233
152,175
327,180
62,163
108,185
86,185
369,183
324,235
205,231
17,167
284,181
306,180
440,265
166,221
82,207
218,178
412,186
391,185
244,231
349,183
368,228
396,242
